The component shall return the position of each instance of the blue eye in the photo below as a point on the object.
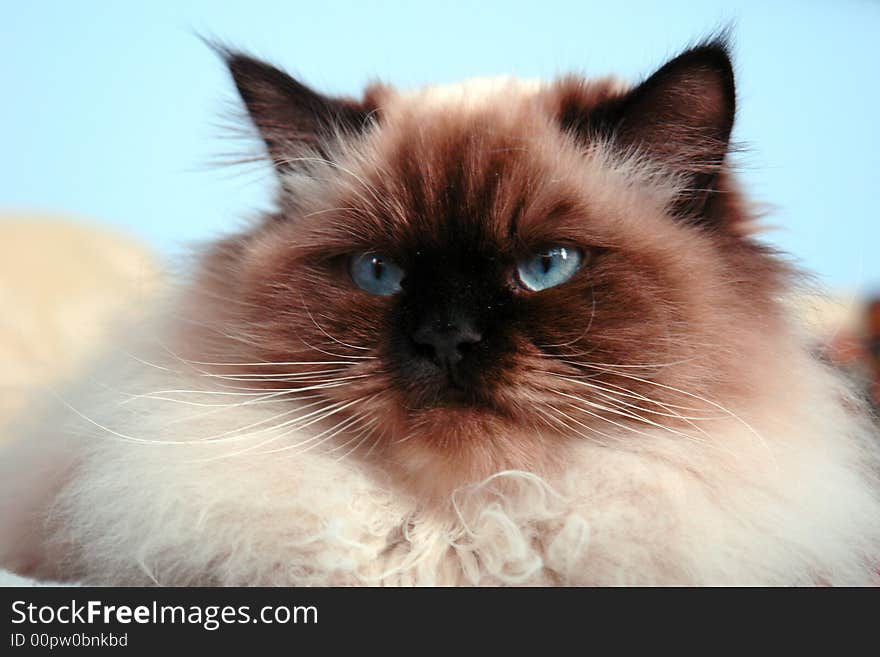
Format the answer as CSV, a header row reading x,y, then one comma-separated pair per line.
x,y
549,267
375,273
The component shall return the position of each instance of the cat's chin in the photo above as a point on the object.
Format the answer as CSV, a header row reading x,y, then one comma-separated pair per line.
x,y
454,445
460,420
468,403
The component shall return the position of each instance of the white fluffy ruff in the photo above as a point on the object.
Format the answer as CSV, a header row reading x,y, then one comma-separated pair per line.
x,y
792,499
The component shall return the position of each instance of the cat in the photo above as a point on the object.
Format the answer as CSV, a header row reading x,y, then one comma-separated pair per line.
x,y
503,332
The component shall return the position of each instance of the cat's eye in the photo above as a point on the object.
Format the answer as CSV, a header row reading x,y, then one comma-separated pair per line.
x,y
549,267
374,273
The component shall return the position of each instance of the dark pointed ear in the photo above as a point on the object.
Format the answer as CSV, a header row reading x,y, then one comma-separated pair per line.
x,y
292,118
681,117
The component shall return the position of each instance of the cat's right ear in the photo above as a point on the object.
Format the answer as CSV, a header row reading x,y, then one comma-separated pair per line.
x,y
681,117
293,120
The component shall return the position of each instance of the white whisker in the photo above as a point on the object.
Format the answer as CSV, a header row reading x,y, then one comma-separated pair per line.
x,y
321,329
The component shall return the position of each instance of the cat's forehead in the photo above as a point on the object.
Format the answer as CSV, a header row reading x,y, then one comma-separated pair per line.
x,y
466,95
467,177
482,163
496,93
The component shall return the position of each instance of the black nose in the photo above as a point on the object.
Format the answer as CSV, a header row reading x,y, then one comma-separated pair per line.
x,y
446,343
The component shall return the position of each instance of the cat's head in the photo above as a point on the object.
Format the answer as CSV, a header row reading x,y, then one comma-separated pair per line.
x,y
476,275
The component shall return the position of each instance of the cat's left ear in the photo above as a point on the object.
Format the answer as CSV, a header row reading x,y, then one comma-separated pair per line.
x,y
681,117
293,119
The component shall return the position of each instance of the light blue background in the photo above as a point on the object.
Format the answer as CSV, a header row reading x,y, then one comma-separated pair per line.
x,y
114,110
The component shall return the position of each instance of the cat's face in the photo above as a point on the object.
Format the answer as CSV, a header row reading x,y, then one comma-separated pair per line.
x,y
479,281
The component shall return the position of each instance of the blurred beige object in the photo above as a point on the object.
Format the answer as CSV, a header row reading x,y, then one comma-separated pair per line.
x,y
63,283
829,314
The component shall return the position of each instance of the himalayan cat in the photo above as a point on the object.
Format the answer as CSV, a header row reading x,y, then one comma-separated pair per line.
x,y
496,333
